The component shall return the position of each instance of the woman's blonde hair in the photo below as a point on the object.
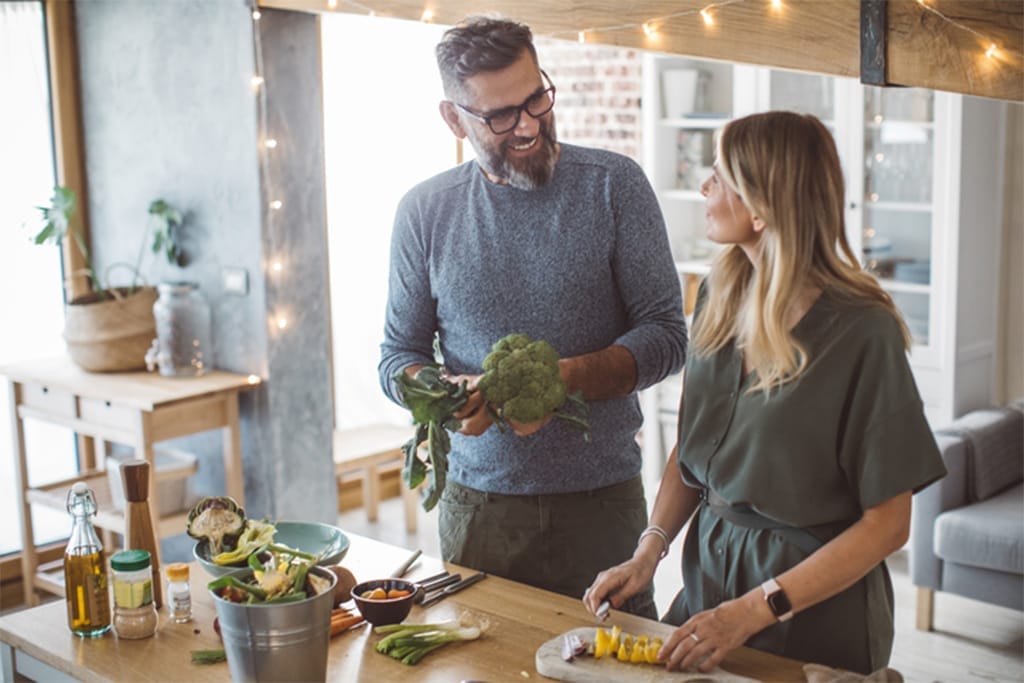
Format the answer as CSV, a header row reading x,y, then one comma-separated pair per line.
x,y
785,168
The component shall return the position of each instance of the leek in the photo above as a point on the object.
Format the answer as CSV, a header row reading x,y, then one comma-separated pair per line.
x,y
409,643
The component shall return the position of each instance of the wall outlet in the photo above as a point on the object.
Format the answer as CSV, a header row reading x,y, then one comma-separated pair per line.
x,y
235,281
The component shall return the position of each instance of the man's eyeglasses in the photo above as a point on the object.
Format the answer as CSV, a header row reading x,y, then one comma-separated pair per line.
x,y
502,121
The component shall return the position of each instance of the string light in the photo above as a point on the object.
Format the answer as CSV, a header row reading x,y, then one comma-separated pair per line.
x,y
277,266
276,205
282,322
649,29
257,81
253,379
777,5
428,15
332,4
581,37
706,16
256,15
992,52
270,143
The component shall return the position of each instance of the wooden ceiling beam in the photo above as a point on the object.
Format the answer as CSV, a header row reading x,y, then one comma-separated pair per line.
x,y
942,48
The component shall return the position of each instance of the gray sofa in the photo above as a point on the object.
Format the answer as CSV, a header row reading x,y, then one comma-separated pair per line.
x,y
967,529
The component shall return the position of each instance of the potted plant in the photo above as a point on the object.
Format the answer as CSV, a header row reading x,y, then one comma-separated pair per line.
x,y
109,329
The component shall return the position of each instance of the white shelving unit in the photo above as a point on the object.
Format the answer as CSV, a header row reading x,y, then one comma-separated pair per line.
x,y
923,206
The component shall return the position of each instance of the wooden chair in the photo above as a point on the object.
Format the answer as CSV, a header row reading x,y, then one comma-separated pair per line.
x,y
370,451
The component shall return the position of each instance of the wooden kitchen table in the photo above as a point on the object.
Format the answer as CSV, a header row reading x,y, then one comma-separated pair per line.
x,y
521,617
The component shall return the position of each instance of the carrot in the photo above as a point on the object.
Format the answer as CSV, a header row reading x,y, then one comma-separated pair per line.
x,y
343,620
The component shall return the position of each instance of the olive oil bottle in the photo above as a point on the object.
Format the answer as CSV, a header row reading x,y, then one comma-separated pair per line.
x,y
85,569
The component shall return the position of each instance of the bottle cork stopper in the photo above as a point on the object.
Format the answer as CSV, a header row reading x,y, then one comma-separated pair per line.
x,y
177,571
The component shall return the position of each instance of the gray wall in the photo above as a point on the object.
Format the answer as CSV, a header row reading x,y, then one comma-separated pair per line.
x,y
168,111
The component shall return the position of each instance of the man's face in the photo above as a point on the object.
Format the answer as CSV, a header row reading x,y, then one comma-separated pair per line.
x,y
525,156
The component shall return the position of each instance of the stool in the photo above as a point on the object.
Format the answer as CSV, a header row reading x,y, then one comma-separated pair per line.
x,y
367,450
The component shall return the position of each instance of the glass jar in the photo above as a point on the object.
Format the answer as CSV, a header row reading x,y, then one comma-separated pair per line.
x,y
134,611
85,572
179,594
184,343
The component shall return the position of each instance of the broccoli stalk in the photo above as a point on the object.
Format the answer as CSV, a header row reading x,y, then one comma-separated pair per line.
x,y
521,383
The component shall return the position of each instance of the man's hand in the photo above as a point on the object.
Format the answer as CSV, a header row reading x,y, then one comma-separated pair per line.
x,y
474,417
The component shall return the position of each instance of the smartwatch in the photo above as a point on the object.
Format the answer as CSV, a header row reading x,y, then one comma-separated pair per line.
x,y
778,601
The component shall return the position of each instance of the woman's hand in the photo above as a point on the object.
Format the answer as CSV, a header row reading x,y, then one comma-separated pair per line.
x,y
706,638
474,417
620,582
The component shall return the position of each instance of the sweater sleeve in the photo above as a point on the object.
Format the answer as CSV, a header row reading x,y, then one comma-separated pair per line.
x,y
647,280
410,319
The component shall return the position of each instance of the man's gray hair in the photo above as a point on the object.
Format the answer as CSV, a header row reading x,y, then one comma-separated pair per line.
x,y
479,44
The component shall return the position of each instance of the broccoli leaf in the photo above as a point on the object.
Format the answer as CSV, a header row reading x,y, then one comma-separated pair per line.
x,y
432,400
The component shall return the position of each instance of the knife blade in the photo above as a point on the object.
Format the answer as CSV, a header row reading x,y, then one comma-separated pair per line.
x,y
454,588
404,568
602,610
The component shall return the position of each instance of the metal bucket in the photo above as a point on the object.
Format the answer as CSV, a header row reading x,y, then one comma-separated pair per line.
x,y
277,642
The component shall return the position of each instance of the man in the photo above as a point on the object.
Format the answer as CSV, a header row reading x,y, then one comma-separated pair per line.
x,y
560,243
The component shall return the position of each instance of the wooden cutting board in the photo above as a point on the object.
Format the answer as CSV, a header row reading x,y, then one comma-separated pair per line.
x,y
586,669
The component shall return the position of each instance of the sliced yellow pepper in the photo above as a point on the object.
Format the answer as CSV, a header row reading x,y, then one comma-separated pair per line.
x,y
652,650
613,643
639,653
625,648
602,640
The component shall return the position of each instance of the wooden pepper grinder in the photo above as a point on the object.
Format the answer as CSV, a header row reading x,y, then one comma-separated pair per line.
x,y
138,523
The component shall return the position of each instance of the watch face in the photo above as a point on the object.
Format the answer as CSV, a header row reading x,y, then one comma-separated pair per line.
x,y
779,603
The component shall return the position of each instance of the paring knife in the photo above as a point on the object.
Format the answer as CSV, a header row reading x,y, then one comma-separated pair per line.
x,y
454,588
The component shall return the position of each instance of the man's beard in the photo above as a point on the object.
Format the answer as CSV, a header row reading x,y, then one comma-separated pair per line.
x,y
528,173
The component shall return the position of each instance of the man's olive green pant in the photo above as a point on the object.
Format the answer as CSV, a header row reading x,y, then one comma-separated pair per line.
x,y
558,542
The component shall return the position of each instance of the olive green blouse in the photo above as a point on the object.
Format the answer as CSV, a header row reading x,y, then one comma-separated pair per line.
x,y
848,434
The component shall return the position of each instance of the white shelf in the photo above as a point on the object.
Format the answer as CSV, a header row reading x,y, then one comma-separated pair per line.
x,y
683,195
696,123
914,207
905,287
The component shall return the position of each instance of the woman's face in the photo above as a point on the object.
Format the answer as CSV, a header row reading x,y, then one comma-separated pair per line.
x,y
727,219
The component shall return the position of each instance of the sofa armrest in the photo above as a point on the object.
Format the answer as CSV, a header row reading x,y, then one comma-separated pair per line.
x,y
945,494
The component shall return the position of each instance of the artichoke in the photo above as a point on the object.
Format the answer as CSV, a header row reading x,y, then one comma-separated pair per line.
x,y
216,519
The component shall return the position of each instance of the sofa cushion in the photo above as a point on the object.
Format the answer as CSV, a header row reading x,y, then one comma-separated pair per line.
x,y
995,439
989,534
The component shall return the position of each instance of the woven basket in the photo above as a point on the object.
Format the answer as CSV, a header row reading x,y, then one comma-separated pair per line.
x,y
105,334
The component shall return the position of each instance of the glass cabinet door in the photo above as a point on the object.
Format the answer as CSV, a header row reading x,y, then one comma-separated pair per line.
x,y
896,233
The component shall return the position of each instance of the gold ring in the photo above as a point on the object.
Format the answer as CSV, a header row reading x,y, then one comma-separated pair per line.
x,y
695,638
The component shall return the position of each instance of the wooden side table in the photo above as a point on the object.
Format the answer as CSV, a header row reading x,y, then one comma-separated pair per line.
x,y
368,450
137,409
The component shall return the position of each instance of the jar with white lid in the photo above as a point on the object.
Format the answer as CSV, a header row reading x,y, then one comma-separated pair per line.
x,y
134,611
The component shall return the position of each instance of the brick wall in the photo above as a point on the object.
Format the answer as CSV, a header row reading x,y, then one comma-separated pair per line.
x,y
598,99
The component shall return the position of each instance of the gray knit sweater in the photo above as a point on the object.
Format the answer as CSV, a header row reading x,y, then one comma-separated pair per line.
x,y
583,263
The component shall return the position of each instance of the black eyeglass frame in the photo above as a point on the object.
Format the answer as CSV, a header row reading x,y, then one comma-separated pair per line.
x,y
505,111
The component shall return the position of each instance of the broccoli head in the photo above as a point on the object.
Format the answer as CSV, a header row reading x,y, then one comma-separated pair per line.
x,y
521,381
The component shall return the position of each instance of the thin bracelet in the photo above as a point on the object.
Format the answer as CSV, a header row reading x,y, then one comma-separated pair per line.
x,y
655,530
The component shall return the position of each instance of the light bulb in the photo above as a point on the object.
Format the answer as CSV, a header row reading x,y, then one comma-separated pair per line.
x,y
581,37
257,81
992,52
428,15
776,4
256,14
282,322
649,29
708,19
332,3
276,204
253,379
277,266
270,143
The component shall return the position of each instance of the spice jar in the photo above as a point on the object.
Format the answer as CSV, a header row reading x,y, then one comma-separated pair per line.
x,y
179,595
134,611
184,344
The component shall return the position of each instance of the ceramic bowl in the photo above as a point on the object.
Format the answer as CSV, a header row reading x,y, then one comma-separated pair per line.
x,y
384,610
309,537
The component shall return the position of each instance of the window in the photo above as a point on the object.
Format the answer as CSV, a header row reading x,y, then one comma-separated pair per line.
x,y
30,276
383,134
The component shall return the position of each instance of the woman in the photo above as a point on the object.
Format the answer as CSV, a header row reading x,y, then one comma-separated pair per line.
x,y
801,432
